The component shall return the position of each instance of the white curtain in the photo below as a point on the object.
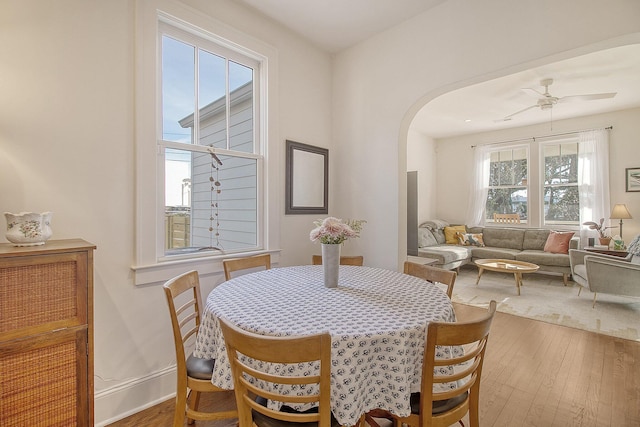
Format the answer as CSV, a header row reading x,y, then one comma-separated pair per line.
x,y
593,179
479,186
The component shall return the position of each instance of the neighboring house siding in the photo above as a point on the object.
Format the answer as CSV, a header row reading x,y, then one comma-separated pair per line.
x,y
235,206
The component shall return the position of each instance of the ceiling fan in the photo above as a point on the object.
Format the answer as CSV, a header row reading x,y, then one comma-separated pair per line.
x,y
546,101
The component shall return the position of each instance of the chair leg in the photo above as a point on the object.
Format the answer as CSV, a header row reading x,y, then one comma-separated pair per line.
x,y
181,409
195,402
594,300
474,405
377,413
565,278
369,420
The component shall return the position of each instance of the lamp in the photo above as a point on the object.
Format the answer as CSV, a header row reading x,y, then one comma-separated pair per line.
x,y
620,212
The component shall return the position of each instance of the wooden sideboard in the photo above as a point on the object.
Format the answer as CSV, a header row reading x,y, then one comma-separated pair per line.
x,y
46,334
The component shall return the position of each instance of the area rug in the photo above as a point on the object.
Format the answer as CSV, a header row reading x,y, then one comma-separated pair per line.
x,y
543,297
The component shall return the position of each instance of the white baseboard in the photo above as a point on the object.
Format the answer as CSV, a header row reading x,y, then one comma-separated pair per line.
x,y
125,399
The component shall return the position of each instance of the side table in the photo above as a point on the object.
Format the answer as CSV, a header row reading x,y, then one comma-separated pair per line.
x,y
621,254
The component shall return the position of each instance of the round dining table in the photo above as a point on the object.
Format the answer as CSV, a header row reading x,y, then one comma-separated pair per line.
x,y
377,320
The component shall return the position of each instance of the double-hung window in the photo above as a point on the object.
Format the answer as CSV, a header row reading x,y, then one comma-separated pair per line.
x,y
210,142
561,202
508,182
202,125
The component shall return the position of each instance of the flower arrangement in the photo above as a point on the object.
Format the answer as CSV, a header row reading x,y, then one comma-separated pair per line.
x,y
595,226
334,231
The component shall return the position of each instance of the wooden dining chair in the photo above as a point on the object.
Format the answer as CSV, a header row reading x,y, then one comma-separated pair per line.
x,y
252,386
432,274
344,260
444,408
513,218
246,263
193,374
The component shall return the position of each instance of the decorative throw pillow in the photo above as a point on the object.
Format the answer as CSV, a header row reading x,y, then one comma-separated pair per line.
x,y
470,239
558,242
439,235
450,233
634,246
425,238
435,224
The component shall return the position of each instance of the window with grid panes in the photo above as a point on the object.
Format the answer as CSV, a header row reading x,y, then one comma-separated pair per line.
x,y
508,183
210,145
561,201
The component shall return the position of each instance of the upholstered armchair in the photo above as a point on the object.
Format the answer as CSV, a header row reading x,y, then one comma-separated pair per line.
x,y
606,273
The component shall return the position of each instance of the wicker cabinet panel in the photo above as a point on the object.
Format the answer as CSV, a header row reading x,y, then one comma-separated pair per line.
x,y
42,380
41,290
46,334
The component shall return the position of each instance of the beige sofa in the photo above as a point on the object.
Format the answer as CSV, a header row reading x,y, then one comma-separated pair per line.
x,y
522,244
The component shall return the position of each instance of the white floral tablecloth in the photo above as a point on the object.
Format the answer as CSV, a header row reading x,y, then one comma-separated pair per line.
x,y
377,320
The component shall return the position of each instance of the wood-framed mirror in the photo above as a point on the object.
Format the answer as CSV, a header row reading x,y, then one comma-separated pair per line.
x,y
307,179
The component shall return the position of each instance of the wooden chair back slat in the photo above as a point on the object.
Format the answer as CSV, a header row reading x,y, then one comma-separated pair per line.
x,y
432,274
185,322
344,260
472,336
242,344
506,218
246,263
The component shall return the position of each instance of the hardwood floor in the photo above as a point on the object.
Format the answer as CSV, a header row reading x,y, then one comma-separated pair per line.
x,y
162,415
535,374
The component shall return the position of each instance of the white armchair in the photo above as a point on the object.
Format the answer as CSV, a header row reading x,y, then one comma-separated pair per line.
x,y
606,273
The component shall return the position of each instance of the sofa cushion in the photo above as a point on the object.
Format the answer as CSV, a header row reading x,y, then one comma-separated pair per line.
x,y
491,252
451,232
544,258
535,239
558,242
475,230
426,238
509,238
439,235
446,254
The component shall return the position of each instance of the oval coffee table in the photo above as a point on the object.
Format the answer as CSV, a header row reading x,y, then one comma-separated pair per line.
x,y
506,266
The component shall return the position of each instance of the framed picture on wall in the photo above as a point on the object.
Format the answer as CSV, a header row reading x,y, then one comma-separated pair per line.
x,y
307,179
632,179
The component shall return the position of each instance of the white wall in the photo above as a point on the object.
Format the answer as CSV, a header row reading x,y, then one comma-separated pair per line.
x,y
455,162
422,157
67,145
381,83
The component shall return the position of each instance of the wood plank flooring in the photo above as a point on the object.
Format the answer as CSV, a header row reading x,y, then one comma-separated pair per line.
x,y
535,374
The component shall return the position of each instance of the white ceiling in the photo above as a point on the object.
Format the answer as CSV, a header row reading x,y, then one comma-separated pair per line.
x,y
334,25
481,107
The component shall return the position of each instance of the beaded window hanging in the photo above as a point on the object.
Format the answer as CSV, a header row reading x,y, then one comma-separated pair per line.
x,y
214,216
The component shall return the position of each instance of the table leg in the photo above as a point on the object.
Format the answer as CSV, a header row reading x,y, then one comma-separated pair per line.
x,y
518,277
480,271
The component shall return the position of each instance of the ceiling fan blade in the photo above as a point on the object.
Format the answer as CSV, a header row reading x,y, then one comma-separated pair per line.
x,y
589,97
506,118
532,92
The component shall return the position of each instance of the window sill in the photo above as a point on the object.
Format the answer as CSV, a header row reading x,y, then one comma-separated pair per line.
x,y
165,270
